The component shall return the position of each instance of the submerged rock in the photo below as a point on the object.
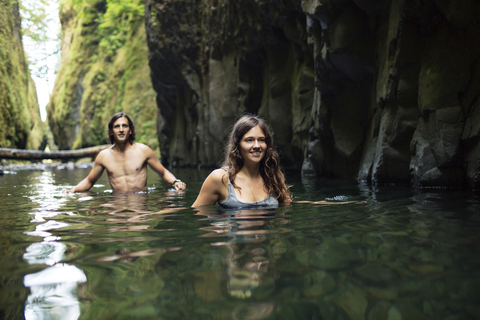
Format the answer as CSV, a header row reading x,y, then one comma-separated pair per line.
x,y
353,301
332,256
323,283
375,272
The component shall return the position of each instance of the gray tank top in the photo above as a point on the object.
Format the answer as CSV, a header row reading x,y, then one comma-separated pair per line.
x,y
233,203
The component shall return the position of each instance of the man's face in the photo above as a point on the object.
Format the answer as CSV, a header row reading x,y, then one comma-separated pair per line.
x,y
121,130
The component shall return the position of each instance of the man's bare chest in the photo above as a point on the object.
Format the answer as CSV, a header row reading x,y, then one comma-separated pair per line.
x,y
118,165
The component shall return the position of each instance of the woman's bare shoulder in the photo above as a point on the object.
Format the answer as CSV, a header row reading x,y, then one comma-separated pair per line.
x,y
214,189
218,175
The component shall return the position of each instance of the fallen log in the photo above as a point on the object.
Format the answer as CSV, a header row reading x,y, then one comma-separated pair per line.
x,y
20,154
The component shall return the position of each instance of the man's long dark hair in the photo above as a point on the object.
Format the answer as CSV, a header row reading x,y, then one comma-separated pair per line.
x,y
114,118
269,166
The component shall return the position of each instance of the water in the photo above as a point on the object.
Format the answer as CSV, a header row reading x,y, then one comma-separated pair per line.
x,y
393,253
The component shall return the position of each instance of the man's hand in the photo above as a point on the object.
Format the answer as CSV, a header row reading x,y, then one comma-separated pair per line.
x,y
179,185
68,190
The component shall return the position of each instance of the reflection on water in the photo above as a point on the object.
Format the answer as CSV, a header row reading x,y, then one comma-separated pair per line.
x,y
402,254
53,293
46,252
245,258
52,290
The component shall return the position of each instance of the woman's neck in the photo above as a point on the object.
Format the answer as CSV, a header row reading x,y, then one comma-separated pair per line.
x,y
250,171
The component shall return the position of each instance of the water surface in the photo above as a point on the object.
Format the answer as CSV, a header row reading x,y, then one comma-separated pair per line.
x,y
393,253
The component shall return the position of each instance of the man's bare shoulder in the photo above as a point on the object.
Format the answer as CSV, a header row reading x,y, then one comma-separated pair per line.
x,y
141,147
107,150
104,154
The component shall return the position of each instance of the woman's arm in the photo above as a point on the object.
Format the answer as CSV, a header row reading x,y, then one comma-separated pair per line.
x,y
214,189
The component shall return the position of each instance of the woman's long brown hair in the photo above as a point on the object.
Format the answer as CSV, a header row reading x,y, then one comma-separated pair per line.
x,y
269,166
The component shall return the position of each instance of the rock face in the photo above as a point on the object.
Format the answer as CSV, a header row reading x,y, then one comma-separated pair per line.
x,y
20,122
380,91
104,70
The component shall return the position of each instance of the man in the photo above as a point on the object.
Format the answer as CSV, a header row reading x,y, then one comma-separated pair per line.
x,y
126,161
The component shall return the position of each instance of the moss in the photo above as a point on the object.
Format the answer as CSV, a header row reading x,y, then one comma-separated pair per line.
x,y
113,80
20,123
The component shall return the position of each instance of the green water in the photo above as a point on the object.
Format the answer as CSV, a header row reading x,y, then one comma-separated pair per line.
x,y
396,253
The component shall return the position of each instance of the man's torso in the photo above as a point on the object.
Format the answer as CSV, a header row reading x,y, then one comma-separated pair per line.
x,y
127,171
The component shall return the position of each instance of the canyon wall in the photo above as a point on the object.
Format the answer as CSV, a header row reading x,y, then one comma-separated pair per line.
x,y
379,91
20,122
104,69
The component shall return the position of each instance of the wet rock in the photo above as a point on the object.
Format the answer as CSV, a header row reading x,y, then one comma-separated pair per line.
x,y
279,249
374,272
352,301
22,126
207,285
399,268
425,268
404,310
182,260
473,310
470,290
302,256
323,283
379,311
383,294
394,314
327,309
332,256
397,107
427,308
411,286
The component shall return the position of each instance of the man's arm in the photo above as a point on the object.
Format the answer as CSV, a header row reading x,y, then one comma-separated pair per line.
x,y
167,176
90,180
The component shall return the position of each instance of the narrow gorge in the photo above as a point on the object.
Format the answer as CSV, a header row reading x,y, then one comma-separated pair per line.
x,y
379,91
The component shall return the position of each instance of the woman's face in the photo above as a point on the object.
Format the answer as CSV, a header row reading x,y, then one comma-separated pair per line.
x,y
253,146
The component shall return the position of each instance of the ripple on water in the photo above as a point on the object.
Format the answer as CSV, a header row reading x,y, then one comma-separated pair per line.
x,y
101,255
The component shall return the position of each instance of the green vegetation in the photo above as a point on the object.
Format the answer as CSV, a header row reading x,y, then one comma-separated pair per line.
x,y
35,19
114,24
104,70
20,123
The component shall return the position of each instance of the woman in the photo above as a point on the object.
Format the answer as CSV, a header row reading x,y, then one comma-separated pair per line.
x,y
251,175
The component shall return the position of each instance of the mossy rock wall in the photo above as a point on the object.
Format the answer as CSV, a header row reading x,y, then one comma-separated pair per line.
x,y
20,122
92,84
379,91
